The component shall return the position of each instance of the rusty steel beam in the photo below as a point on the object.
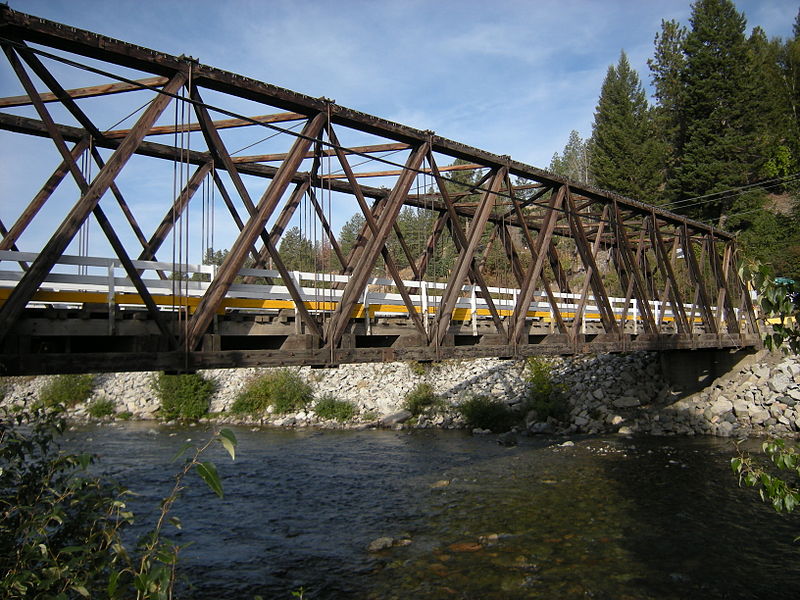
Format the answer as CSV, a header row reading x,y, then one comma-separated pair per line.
x,y
47,258
89,91
200,321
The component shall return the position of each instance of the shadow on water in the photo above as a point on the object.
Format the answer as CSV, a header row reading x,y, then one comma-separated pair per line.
x,y
698,534
607,518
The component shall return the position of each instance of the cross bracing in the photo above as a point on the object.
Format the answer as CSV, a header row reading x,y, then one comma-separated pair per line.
x,y
160,155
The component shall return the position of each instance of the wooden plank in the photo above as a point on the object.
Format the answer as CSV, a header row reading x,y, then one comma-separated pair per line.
x,y
665,264
624,246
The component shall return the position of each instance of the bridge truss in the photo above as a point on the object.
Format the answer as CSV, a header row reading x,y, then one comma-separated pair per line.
x,y
505,259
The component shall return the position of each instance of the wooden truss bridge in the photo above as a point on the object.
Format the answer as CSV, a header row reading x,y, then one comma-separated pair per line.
x,y
505,260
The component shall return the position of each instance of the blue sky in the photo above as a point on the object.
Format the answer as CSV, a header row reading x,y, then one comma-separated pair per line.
x,y
510,77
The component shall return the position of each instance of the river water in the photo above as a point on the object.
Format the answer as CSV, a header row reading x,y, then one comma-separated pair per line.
x,y
610,517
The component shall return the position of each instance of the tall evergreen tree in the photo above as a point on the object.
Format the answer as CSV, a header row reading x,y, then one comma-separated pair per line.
x,y
666,68
575,161
789,66
625,155
719,138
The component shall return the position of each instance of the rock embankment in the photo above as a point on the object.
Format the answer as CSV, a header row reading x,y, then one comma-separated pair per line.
x,y
624,393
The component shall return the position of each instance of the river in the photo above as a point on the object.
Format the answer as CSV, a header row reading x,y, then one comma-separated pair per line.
x,y
610,517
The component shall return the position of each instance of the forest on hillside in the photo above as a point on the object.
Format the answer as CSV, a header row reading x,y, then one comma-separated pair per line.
x,y
721,140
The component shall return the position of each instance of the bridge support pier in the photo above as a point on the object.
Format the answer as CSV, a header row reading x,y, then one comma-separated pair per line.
x,y
689,371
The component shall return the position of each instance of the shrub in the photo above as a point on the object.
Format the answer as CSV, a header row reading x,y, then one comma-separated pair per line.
x,y
101,408
544,396
329,407
485,413
283,389
67,390
420,398
60,531
418,368
184,396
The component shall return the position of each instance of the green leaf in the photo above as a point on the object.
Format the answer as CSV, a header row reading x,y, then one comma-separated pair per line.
x,y
208,472
112,583
228,441
181,451
736,465
176,522
81,590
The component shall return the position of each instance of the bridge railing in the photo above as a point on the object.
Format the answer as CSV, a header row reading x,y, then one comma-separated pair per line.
x,y
79,280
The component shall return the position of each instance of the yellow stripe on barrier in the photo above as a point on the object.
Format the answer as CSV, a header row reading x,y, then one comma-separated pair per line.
x,y
191,302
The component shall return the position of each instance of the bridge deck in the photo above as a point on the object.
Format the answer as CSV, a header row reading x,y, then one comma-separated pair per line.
x,y
86,316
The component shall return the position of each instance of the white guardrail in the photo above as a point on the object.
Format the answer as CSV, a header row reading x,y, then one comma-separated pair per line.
x,y
101,280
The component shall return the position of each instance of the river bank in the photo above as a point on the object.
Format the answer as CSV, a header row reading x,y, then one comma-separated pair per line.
x,y
624,393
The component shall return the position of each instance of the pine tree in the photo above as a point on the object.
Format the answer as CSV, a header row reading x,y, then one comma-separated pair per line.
x,y
719,138
297,251
666,69
625,156
574,162
789,67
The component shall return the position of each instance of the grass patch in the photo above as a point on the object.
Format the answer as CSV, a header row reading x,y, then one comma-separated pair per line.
x,y
125,415
67,390
420,398
486,413
102,407
185,396
329,407
417,368
544,395
285,390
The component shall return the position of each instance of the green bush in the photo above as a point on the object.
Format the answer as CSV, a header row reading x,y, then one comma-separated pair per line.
x,y
185,396
285,390
420,398
101,408
485,413
67,390
329,407
60,531
544,396
418,368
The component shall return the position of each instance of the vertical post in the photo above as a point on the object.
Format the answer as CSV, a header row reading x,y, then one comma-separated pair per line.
x,y
474,311
111,302
423,293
